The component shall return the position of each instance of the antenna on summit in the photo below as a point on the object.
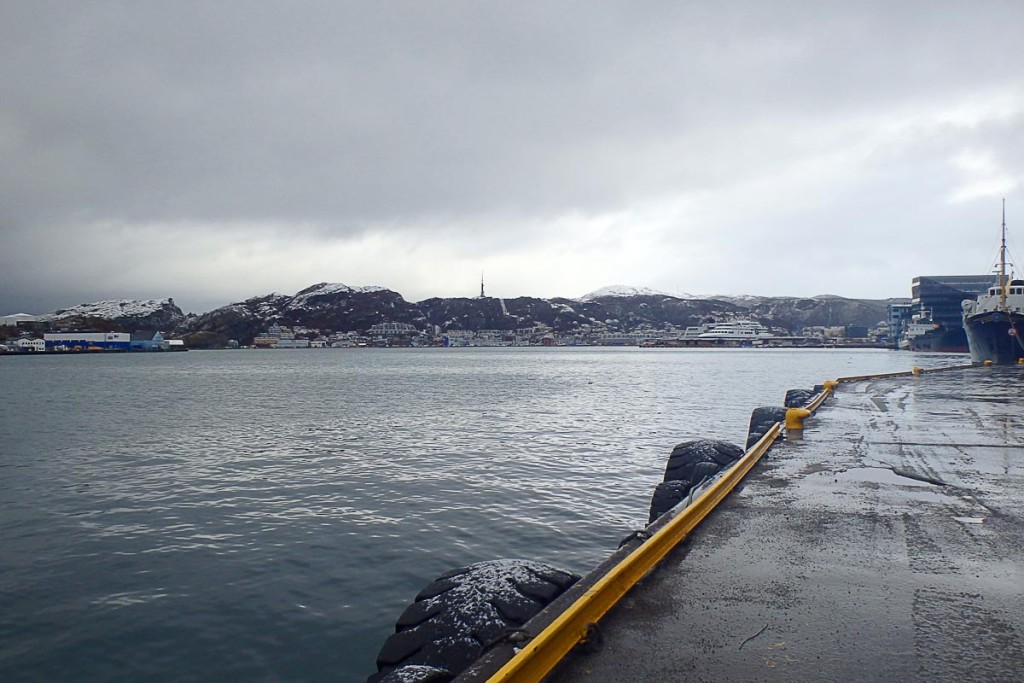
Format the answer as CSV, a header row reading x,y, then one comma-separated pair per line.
x,y
481,284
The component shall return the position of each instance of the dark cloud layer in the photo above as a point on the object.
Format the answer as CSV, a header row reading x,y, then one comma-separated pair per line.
x,y
460,121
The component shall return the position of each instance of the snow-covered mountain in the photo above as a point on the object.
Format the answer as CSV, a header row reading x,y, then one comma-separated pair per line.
x,y
314,296
151,314
342,308
324,306
620,291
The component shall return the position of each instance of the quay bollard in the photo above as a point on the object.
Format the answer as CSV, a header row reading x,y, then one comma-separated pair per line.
x,y
795,418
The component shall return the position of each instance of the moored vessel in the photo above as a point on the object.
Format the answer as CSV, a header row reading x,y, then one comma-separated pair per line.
x,y
994,322
925,334
736,332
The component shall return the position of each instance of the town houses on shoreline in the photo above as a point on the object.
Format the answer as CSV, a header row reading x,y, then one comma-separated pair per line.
x,y
30,335
391,335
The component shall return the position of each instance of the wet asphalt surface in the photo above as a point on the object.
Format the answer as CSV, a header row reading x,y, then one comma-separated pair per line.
x,y
842,558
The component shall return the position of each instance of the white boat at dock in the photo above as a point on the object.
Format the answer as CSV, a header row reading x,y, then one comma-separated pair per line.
x,y
736,331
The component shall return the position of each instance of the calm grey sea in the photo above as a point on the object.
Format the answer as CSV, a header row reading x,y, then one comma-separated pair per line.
x,y
266,515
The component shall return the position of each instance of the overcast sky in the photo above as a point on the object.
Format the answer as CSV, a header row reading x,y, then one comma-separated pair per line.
x,y
213,151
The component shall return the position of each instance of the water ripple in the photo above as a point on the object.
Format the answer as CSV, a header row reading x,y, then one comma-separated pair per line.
x,y
266,516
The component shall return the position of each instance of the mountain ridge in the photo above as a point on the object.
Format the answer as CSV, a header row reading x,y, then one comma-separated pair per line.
x,y
341,308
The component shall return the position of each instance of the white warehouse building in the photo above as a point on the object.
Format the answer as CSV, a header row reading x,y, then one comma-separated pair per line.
x,y
85,340
392,329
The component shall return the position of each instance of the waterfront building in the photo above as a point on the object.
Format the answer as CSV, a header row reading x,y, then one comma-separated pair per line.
x,y
292,343
148,340
30,344
84,341
264,341
391,329
626,338
936,306
898,314
493,338
279,337
17,319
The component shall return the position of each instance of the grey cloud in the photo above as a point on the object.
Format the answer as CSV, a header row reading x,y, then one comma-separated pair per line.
x,y
446,118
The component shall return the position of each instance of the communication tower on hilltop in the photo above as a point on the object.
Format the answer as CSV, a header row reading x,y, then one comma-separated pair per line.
x,y
481,284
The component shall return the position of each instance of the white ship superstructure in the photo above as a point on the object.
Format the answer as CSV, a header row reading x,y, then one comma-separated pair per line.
x,y
736,330
920,324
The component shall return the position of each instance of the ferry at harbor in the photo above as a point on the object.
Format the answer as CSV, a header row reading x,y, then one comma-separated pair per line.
x,y
736,331
732,333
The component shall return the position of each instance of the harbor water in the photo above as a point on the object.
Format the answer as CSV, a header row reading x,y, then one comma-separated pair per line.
x,y
266,515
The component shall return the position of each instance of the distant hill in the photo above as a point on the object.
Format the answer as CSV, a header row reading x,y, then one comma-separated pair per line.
x,y
328,306
341,308
119,314
794,313
625,291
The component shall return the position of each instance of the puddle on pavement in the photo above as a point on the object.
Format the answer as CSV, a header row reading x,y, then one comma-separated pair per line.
x,y
970,520
880,475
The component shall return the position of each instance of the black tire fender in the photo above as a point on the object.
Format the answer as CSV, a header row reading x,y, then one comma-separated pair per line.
x,y
461,614
761,420
798,398
685,456
689,464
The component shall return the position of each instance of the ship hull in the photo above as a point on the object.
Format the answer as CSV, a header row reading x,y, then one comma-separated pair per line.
x,y
995,336
943,340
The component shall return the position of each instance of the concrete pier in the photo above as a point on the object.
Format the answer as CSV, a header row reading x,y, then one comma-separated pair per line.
x,y
887,543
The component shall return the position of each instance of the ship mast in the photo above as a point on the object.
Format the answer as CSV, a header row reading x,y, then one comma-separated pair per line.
x,y
1002,263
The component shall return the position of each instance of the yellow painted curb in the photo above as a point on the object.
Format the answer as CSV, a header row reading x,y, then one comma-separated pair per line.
x,y
538,657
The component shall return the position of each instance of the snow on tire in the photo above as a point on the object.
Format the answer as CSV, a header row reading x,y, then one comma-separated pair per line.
x,y
456,618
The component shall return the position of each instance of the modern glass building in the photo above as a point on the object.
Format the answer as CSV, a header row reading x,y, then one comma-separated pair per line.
x,y
937,298
940,295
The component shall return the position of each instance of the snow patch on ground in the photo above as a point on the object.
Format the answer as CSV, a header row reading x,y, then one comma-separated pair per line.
x,y
738,299
273,296
111,309
302,299
267,306
326,288
627,291
235,308
564,308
